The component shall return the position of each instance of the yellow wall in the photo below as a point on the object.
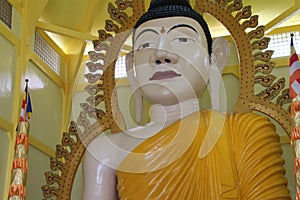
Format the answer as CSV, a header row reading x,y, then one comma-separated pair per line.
x,y
48,93
4,150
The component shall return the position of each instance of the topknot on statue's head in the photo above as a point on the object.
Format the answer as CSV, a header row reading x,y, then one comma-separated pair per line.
x,y
167,8
174,8
159,3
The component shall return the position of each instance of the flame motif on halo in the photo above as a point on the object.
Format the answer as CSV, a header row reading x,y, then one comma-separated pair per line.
x,y
234,16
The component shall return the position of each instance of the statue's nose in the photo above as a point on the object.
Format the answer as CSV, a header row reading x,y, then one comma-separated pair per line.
x,y
163,61
164,57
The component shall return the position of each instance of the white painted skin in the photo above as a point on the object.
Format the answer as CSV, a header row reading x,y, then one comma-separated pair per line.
x,y
171,68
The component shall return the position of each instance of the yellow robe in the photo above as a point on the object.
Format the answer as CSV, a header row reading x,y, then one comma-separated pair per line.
x,y
244,162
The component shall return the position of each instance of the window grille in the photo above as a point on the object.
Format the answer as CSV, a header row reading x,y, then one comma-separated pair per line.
x,y
46,52
120,68
5,13
280,44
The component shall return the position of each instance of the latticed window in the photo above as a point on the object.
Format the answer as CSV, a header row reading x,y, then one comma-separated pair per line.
x,y
5,13
46,52
280,43
120,68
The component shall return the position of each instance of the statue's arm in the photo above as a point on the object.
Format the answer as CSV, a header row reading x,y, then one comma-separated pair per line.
x,y
99,180
258,158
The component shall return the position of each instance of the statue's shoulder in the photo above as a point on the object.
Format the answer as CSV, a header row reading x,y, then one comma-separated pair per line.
x,y
241,121
251,126
102,145
114,146
107,142
234,115
247,117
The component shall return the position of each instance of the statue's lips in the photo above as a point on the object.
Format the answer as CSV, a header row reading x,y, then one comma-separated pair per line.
x,y
164,75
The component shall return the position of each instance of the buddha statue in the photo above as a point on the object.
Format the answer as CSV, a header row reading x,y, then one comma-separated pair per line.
x,y
184,152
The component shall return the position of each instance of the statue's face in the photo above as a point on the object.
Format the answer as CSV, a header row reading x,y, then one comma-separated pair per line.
x,y
171,60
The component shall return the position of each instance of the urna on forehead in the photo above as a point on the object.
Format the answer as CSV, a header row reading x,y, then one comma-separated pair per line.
x,y
174,8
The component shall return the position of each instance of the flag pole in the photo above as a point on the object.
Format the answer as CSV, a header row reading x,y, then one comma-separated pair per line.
x,y
17,190
26,99
295,112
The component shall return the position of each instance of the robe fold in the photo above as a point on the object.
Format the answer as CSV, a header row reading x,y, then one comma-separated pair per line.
x,y
207,155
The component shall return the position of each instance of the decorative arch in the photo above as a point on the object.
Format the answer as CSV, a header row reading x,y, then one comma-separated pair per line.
x,y
255,68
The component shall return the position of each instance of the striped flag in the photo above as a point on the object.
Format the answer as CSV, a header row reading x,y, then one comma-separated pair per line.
x,y
26,105
17,189
294,71
295,111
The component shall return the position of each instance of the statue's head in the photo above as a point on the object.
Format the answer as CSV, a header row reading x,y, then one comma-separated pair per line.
x,y
173,53
160,9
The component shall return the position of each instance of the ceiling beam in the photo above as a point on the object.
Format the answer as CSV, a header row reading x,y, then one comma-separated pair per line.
x,y
294,9
32,12
93,6
285,29
75,61
17,5
65,31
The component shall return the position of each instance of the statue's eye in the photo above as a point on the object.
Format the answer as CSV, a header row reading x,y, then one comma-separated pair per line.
x,y
144,46
182,39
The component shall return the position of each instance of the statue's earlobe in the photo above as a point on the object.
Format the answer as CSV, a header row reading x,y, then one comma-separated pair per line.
x,y
220,55
134,86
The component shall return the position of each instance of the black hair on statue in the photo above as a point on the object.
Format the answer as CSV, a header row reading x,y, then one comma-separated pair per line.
x,y
173,8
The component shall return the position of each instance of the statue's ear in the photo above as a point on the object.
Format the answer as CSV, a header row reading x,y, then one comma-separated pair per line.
x,y
134,86
220,53
129,65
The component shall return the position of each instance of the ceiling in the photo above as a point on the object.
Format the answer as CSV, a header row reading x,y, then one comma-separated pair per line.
x,y
72,24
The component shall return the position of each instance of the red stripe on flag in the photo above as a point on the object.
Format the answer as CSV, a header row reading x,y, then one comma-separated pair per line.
x,y
293,94
294,70
295,76
22,114
293,58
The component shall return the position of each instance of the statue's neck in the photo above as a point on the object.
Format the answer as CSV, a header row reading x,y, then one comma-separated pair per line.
x,y
170,114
